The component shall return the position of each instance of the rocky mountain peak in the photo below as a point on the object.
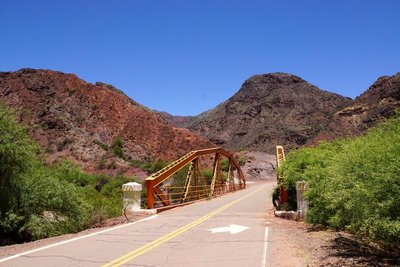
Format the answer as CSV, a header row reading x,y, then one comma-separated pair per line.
x,y
280,78
267,110
380,101
384,87
265,84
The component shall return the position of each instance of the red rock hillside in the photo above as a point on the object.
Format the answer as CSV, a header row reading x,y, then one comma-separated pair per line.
x,y
380,101
74,119
269,109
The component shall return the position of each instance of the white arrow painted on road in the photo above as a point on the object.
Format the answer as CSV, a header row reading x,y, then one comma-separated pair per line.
x,y
232,228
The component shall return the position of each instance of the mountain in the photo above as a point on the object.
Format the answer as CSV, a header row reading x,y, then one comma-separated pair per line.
x,y
380,101
269,109
176,121
73,119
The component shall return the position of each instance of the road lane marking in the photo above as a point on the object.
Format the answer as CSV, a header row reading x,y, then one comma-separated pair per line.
x,y
232,228
75,239
265,249
142,250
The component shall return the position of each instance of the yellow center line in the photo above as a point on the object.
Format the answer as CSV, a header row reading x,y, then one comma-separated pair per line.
x,y
133,254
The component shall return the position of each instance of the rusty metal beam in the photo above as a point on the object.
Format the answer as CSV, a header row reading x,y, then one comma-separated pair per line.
x,y
172,168
280,158
162,196
189,179
229,178
215,173
150,194
199,177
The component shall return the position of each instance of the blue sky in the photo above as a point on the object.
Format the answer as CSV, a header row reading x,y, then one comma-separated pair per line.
x,y
185,57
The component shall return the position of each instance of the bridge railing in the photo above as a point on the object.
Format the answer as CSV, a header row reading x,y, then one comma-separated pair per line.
x,y
184,180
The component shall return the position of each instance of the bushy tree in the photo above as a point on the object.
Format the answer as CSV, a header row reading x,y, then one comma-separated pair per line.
x,y
354,184
368,172
35,202
52,206
17,158
117,147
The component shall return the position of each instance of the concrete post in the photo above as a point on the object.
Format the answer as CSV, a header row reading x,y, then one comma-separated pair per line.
x,y
131,196
302,203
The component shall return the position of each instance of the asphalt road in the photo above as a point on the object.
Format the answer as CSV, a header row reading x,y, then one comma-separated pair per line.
x,y
231,230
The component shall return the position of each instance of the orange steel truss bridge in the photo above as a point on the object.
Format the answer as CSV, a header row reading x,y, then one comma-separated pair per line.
x,y
183,180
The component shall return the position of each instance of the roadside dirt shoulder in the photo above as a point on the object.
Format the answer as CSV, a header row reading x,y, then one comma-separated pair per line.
x,y
298,244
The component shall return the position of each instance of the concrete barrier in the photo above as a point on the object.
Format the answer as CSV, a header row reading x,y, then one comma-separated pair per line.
x,y
132,196
302,202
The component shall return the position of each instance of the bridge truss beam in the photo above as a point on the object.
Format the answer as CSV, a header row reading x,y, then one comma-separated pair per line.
x,y
162,189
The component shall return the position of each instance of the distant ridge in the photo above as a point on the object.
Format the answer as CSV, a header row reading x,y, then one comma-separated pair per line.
x,y
269,109
77,120
380,101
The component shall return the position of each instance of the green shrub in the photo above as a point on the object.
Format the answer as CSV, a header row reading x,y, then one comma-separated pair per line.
x,y
208,175
354,184
17,157
102,145
70,172
117,147
149,165
38,201
63,144
108,199
225,164
242,160
112,165
369,175
42,193
312,165
101,164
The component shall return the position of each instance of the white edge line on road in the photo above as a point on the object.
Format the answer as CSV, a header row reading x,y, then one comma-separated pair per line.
x,y
75,239
265,250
